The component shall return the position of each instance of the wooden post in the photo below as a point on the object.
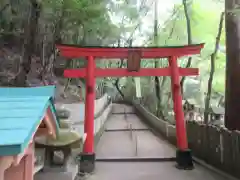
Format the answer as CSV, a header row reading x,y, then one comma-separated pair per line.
x,y
232,91
184,158
89,109
87,159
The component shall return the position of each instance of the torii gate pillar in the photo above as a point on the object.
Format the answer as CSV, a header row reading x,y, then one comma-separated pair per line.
x,y
183,154
133,56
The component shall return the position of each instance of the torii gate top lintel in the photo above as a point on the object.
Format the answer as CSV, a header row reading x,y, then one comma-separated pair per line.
x,y
75,51
133,55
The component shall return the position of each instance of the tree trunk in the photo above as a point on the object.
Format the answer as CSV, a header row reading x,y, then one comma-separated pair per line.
x,y
212,70
157,65
232,92
116,83
29,46
59,25
186,5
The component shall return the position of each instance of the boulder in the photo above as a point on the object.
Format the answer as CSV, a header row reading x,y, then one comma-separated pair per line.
x,y
63,113
65,138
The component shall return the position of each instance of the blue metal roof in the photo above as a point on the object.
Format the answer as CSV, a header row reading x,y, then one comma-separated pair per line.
x,y
21,111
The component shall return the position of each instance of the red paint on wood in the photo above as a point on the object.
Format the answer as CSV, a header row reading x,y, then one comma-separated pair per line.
x,y
115,72
89,107
108,52
177,105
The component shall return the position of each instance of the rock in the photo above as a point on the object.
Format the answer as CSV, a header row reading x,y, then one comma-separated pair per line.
x,y
63,113
64,125
65,137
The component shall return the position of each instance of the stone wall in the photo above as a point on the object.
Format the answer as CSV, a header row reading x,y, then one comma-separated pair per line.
x,y
100,122
103,108
100,104
164,128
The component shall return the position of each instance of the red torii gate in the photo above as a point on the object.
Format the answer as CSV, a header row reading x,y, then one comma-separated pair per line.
x,y
133,56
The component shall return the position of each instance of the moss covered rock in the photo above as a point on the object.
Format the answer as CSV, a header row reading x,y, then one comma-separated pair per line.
x,y
64,124
63,113
65,137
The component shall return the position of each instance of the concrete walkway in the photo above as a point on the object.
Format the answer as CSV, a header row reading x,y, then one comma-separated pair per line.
x,y
122,144
129,144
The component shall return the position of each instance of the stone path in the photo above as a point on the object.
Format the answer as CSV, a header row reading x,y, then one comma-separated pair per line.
x,y
123,144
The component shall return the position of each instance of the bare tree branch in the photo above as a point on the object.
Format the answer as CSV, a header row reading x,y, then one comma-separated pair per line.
x,y
213,58
189,36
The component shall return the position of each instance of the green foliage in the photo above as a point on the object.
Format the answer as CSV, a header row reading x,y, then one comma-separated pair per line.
x,y
204,21
105,22
204,16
